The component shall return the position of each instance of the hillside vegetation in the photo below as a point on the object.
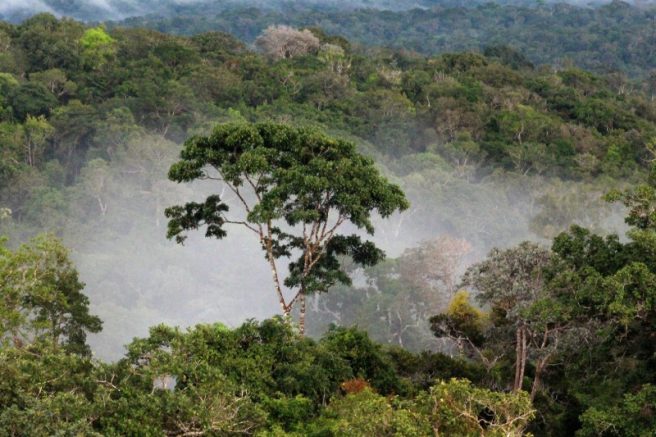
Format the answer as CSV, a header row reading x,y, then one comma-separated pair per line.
x,y
606,37
485,334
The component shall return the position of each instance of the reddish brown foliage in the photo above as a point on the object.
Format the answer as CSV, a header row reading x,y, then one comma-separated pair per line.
x,y
354,386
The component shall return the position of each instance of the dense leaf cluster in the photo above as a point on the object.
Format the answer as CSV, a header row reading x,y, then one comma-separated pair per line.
x,y
575,323
258,379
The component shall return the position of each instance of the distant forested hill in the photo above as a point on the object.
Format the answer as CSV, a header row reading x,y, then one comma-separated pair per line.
x,y
496,107
600,36
102,10
617,36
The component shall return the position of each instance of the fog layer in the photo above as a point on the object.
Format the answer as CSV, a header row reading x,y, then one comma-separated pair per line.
x,y
136,278
103,10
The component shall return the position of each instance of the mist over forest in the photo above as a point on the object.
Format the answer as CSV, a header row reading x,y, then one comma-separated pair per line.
x,y
455,201
104,10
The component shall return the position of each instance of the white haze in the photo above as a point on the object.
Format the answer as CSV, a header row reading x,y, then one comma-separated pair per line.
x,y
13,6
105,10
95,10
135,278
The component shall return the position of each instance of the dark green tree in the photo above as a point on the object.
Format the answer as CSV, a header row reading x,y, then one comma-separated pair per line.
x,y
41,297
32,99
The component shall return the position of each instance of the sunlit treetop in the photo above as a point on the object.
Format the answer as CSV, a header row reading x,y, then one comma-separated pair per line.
x,y
97,46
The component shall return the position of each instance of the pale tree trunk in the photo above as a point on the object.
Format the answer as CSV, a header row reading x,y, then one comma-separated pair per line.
x,y
521,353
276,280
281,299
543,362
518,357
30,154
301,316
102,206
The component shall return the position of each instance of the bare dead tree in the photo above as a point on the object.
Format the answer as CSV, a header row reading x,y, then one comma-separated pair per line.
x,y
285,42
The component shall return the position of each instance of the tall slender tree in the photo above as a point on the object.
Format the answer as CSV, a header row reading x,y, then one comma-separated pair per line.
x,y
296,188
524,310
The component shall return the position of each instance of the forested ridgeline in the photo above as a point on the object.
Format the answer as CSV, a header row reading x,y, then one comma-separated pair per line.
x,y
96,11
488,148
614,36
73,95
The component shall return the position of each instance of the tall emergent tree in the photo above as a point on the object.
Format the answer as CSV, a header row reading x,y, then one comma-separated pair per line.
x,y
511,281
296,187
526,311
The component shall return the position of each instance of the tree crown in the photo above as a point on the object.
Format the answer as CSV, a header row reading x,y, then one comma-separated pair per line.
x,y
296,187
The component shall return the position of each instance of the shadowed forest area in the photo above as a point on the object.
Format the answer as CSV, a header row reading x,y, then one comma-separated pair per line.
x,y
456,204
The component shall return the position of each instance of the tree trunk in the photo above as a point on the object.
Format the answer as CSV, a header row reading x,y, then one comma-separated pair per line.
x,y
538,375
30,154
542,362
301,317
281,299
521,353
274,274
518,355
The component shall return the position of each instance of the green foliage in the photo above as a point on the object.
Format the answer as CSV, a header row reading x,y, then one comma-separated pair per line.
x,y
365,358
258,379
367,413
531,318
7,83
32,99
45,391
37,132
510,279
42,298
400,294
605,288
641,202
294,169
461,113
461,320
97,47
458,408
634,416
56,81
453,408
